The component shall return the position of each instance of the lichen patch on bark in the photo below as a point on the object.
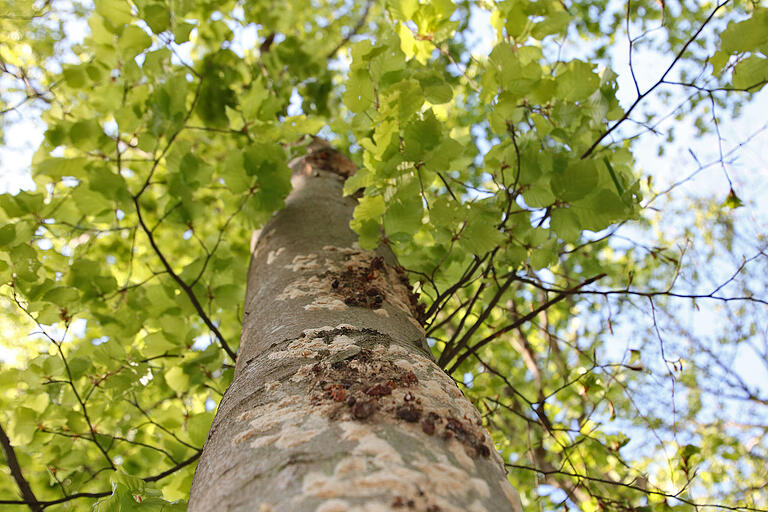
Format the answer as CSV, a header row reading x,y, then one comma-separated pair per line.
x,y
375,469
304,262
272,255
350,277
330,303
333,506
302,288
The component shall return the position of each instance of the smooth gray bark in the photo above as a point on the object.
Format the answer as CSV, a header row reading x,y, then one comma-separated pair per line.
x,y
336,403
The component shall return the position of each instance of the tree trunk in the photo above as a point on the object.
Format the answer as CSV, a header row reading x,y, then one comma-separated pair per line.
x,y
336,403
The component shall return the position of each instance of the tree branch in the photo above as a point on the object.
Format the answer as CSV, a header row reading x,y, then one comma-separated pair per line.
x,y
21,482
354,30
184,286
43,504
660,81
557,298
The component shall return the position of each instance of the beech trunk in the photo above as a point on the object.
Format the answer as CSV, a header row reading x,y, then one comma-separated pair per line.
x,y
336,402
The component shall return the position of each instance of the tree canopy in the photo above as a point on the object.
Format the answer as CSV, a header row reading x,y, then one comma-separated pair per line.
x,y
599,322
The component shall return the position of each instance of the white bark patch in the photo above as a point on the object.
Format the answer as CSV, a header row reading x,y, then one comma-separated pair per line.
x,y
446,479
349,466
422,362
341,342
446,399
359,279
326,302
372,507
283,424
355,249
333,506
304,372
476,506
397,350
308,346
266,414
326,328
406,364
374,468
290,436
481,486
313,286
304,262
303,288
301,348
383,453
460,454
271,385
272,255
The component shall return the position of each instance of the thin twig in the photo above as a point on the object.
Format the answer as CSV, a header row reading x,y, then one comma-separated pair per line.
x,y
557,298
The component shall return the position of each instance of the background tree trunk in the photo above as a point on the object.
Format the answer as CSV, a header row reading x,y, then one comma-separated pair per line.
x,y
336,403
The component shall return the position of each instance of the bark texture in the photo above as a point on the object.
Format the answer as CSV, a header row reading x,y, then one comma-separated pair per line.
x,y
336,403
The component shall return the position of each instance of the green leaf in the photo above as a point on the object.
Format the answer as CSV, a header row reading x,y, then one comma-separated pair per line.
x,y
751,73
538,196
597,211
358,96
544,256
83,133
228,295
158,17
556,23
23,427
61,295
7,234
56,168
480,234
748,35
133,41
215,91
181,32
576,181
11,206
78,367
577,82
177,380
565,223
25,262
366,220
75,76
198,426
252,100
405,211
157,344
407,97
117,12
107,183
436,91
370,207
402,9
732,201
